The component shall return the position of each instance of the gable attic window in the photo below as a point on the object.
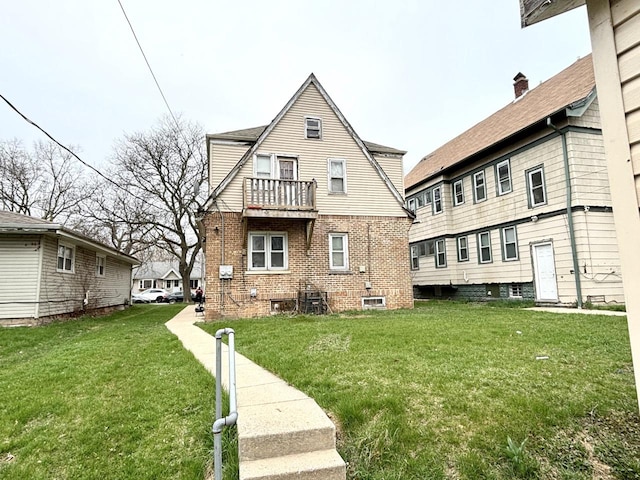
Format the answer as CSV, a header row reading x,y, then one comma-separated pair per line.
x,y
66,258
337,175
312,128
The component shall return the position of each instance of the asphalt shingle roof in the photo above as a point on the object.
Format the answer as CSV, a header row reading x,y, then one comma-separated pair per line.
x,y
567,87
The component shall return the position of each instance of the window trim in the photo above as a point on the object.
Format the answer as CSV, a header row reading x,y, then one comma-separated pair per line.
x,y
307,129
414,254
498,181
344,176
480,247
382,306
345,251
72,266
255,164
267,251
457,202
437,202
98,265
441,241
515,286
503,235
475,186
529,173
466,248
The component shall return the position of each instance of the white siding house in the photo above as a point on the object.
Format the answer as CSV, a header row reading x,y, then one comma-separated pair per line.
x,y
519,206
48,271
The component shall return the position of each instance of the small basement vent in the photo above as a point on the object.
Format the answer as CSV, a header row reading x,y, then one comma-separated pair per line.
x,y
373,302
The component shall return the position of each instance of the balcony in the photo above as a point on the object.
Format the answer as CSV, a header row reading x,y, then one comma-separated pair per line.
x,y
272,198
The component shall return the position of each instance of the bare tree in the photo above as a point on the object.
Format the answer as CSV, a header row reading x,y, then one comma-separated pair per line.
x,y
163,170
44,182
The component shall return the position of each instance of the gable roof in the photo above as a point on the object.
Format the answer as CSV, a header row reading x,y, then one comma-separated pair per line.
x,y
18,224
260,136
568,87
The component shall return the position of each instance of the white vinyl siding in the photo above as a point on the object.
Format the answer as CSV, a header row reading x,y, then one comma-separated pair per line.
x,y
338,251
479,187
503,177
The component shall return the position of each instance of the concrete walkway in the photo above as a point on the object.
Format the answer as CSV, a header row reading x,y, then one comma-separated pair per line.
x,y
576,310
282,433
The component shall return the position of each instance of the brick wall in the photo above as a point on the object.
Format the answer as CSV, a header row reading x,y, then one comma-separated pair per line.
x,y
378,253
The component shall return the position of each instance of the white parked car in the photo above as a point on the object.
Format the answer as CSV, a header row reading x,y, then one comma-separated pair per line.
x,y
153,294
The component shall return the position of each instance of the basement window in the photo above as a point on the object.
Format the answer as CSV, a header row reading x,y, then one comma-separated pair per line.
x,y
369,303
515,290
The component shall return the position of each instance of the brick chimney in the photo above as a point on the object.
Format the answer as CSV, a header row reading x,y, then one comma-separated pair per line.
x,y
520,85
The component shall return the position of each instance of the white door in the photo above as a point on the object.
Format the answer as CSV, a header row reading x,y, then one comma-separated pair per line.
x,y
545,272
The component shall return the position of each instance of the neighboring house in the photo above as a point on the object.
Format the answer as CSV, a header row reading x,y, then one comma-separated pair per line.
x,y
49,271
519,205
166,275
304,215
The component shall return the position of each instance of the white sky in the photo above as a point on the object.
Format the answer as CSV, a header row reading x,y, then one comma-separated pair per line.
x,y
408,74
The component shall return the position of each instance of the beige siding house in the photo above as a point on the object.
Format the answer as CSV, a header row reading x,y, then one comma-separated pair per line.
x,y
519,206
48,271
303,215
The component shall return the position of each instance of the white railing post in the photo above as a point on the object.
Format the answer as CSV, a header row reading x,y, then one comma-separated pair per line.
x,y
230,419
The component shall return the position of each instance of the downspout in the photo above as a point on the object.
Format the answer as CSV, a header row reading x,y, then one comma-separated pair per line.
x,y
572,236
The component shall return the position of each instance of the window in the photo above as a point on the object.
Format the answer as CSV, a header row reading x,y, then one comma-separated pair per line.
x,y
268,251
373,302
437,200
515,290
101,262
479,189
484,247
503,174
441,253
312,128
458,193
427,197
463,249
422,249
535,182
509,244
337,176
193,284
338,251
66,258
146,283
415,262
262,166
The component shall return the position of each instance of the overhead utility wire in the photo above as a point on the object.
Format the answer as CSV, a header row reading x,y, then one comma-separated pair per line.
x,y
153,75
28,120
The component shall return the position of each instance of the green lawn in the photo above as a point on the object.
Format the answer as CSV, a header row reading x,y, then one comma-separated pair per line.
x,y
107,398
437,392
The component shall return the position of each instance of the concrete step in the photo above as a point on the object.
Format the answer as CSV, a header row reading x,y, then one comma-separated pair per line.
x,y
283,428
319,465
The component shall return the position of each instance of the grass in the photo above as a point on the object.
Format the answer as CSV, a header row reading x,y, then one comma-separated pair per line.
x,y
106,398
463,391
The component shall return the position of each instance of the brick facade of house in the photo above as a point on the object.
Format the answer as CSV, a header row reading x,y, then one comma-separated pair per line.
x,y
377,252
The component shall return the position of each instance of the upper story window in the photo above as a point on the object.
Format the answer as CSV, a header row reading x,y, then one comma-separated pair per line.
x,y
479,187
509,244
535,185
312,127
268,251
66,258
437,200
281,167
338,251
463,248
458,192
101,262
441,253
337,170
503,174
262,166
484,247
